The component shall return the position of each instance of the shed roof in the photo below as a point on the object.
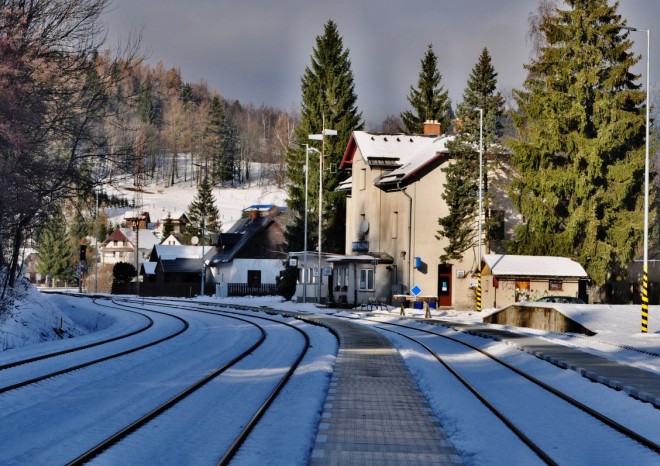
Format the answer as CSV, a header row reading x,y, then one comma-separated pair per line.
x,y
502,265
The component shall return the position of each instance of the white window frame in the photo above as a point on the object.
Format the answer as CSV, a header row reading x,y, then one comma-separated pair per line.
x,y
366,281
342,277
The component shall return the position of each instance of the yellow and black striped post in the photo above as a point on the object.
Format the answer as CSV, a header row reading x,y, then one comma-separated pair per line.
x,y
645,300
479,290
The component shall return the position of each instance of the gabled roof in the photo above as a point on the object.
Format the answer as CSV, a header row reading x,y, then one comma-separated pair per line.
x,y
406,155
182,266
502,265
147,239
230,244
149,268
120,234
172,251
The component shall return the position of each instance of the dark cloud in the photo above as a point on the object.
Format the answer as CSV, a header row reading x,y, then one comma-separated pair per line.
x,y
257,51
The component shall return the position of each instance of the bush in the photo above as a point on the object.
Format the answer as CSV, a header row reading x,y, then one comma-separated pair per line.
x,y
123,272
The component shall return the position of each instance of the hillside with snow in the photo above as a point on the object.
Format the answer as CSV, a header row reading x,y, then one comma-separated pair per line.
x,y
158,201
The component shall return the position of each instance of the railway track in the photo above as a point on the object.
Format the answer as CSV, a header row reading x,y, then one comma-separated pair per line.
x,y
503,389
166,409
98,406
46,361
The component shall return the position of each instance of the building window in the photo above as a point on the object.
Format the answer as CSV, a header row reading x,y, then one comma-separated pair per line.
x,y
555,285
341,281
363,179
366,279
395,225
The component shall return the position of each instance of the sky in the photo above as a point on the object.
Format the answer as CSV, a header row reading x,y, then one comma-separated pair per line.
x,y
256,51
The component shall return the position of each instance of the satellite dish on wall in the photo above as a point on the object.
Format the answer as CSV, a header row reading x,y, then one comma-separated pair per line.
x,y
194,240
364,229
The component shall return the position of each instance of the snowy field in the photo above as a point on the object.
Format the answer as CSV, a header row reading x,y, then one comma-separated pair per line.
x,y
159,201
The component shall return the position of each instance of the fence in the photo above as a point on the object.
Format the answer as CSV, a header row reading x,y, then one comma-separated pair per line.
x,y
243,289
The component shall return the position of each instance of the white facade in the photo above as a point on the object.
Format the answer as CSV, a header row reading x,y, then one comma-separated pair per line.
x,y
243,271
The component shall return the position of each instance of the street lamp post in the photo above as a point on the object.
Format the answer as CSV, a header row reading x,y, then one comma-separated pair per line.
x,y
321,137
96,246
304,277
204,227
481,164
645,276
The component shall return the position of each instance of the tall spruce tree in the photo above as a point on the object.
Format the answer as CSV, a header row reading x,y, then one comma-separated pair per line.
x,y
215,142
55,251
461,190
579,148
80,225
328,100
202,210
430,101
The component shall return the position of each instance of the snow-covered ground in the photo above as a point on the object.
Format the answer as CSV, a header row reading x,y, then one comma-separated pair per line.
x,y
617,327
158,201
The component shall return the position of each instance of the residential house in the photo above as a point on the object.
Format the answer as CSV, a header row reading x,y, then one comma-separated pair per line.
x,y
179,221
143,220
172,240
394,201
120,246
175,271
507,279
250,255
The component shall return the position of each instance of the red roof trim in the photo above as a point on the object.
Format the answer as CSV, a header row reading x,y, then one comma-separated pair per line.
x,y
347,159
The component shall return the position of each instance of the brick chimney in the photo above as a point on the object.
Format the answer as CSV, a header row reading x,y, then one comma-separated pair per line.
x,y
432,128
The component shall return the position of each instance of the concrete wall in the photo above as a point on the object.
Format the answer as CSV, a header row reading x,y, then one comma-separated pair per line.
x,y
537,317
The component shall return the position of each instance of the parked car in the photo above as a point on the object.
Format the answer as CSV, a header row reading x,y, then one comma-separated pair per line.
x,y
560,299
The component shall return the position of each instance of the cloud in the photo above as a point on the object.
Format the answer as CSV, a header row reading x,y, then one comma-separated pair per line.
x,y
257,51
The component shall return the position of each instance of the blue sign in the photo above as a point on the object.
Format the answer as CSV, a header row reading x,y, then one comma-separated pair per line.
x,y
360,246
416,290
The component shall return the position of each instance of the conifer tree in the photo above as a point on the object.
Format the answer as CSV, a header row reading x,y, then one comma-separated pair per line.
x,y
145,105
430,100
328,101
55,251
79,226
203,210
215,136
461,190
579,148
168,226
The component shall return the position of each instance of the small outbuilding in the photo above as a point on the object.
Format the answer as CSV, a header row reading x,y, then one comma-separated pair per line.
x,y
508,279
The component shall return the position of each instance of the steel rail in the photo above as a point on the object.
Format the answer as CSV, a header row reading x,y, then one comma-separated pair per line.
x,y
49,375
563,396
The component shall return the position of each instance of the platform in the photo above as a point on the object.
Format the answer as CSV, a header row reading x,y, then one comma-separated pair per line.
x,y
638,383
374,413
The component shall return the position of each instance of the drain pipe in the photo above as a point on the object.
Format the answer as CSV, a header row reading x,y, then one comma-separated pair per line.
x,y
410,206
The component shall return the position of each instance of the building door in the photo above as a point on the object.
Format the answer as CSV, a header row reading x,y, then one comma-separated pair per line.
x,y
254,278
444,285
522,291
